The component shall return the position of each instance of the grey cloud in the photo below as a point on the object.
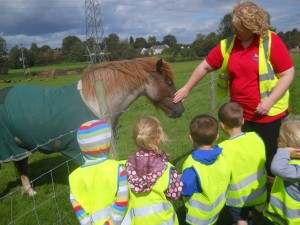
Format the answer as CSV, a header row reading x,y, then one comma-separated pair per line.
x,y
49,21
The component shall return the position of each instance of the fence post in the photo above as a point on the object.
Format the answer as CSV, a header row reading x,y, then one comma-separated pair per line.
x,y
212,94
104,113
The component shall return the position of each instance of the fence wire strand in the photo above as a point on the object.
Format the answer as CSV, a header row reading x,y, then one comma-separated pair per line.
x,y
197,102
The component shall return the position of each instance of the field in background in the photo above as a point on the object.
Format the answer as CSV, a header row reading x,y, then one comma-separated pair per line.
x,y
51,205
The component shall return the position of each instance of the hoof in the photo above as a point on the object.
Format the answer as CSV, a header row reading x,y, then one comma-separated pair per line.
x,y
28,191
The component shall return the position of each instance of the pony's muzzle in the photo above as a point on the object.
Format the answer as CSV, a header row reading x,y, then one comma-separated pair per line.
x,y
177,110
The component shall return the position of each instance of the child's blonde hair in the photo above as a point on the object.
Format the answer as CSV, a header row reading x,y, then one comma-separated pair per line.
x,y
289,134
246,14
147,131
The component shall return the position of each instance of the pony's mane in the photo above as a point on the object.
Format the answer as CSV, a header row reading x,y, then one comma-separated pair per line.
x,y
118,76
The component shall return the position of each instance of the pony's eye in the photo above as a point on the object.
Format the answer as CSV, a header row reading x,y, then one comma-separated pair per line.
x,y
169,82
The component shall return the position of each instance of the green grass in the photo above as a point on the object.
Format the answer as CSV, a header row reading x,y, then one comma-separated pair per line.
x,y
50,172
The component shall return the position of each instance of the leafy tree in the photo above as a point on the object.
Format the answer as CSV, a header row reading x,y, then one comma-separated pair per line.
x,y
3,57
204,45
77,52
112,42
67,44
225,27
131,41
140,43
295,38
45,48
15,60
151,41
169,40
188,52
200,37
68,48
2,46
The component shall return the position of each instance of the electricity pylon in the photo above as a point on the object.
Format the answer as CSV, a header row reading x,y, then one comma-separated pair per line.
x,y
95,43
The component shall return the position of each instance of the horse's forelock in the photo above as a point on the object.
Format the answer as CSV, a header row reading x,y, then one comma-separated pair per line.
x,y
121,75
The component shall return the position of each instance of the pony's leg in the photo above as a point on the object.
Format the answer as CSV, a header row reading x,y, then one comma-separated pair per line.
x,y
22,168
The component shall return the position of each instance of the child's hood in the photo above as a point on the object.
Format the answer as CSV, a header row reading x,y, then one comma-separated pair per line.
x,y
207,156
144,168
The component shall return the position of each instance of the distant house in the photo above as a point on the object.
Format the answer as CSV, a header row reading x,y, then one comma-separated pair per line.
x,y
158,49
154,50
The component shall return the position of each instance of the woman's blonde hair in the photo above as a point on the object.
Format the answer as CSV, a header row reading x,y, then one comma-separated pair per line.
x,y
250,16
147,131
289,134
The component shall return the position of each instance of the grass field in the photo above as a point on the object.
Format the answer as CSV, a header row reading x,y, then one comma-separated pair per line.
x,y
50,172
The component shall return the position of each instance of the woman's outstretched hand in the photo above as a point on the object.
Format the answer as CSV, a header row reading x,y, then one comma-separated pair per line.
x,y
180,95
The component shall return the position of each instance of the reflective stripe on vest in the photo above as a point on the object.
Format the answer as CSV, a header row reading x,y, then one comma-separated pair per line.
x,y
101,214
222,83
149,210
290,213
285,200
152,206
249,198
206,208
276,218
248,180
267,77
247,185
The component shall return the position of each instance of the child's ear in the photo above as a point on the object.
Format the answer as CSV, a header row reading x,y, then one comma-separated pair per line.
x,y
243,121
158,139
222,125
217,138
191,138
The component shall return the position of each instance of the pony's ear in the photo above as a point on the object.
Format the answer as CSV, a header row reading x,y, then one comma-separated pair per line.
x,y
159,65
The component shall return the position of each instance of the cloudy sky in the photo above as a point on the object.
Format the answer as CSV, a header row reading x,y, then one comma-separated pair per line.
x,y
48,22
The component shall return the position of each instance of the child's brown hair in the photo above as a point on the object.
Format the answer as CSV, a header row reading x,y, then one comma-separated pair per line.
x,y
231,115
203,130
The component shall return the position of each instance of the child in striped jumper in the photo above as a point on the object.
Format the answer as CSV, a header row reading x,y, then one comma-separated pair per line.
x,y
99,191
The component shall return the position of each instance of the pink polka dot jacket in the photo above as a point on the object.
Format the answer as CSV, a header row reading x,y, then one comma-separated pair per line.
x,y
143,169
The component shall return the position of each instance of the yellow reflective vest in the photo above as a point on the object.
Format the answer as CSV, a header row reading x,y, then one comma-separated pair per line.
x,y
267,77
284,206
95,187
204,208
152,208
246,157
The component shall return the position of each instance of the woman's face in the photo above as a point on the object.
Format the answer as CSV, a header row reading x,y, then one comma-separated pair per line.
x,y
243,35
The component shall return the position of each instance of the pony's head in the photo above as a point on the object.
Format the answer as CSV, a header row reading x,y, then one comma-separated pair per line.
x,y
160,89
126,80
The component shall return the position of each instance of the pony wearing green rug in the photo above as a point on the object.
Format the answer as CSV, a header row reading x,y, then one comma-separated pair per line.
x,y
45,119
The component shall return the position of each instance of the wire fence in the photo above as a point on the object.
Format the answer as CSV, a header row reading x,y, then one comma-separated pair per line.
x,y
49,174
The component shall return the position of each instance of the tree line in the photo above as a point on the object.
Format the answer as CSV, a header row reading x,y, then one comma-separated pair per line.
x,y
74,50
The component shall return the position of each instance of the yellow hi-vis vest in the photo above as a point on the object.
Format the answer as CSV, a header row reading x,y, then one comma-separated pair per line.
x,y
95,187
284,206
151,208
267,77
246,157
204,208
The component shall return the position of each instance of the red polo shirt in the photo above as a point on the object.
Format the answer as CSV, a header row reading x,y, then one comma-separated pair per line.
x,y
244,75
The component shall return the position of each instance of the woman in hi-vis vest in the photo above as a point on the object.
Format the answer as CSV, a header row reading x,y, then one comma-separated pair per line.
x,y
256,71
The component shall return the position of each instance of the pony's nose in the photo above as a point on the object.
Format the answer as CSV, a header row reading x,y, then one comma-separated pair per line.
x,y
177,110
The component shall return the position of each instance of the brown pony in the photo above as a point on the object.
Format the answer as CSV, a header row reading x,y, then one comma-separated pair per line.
x,y
30,116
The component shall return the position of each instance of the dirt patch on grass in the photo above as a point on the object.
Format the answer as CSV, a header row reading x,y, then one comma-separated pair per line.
x,y
58,72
